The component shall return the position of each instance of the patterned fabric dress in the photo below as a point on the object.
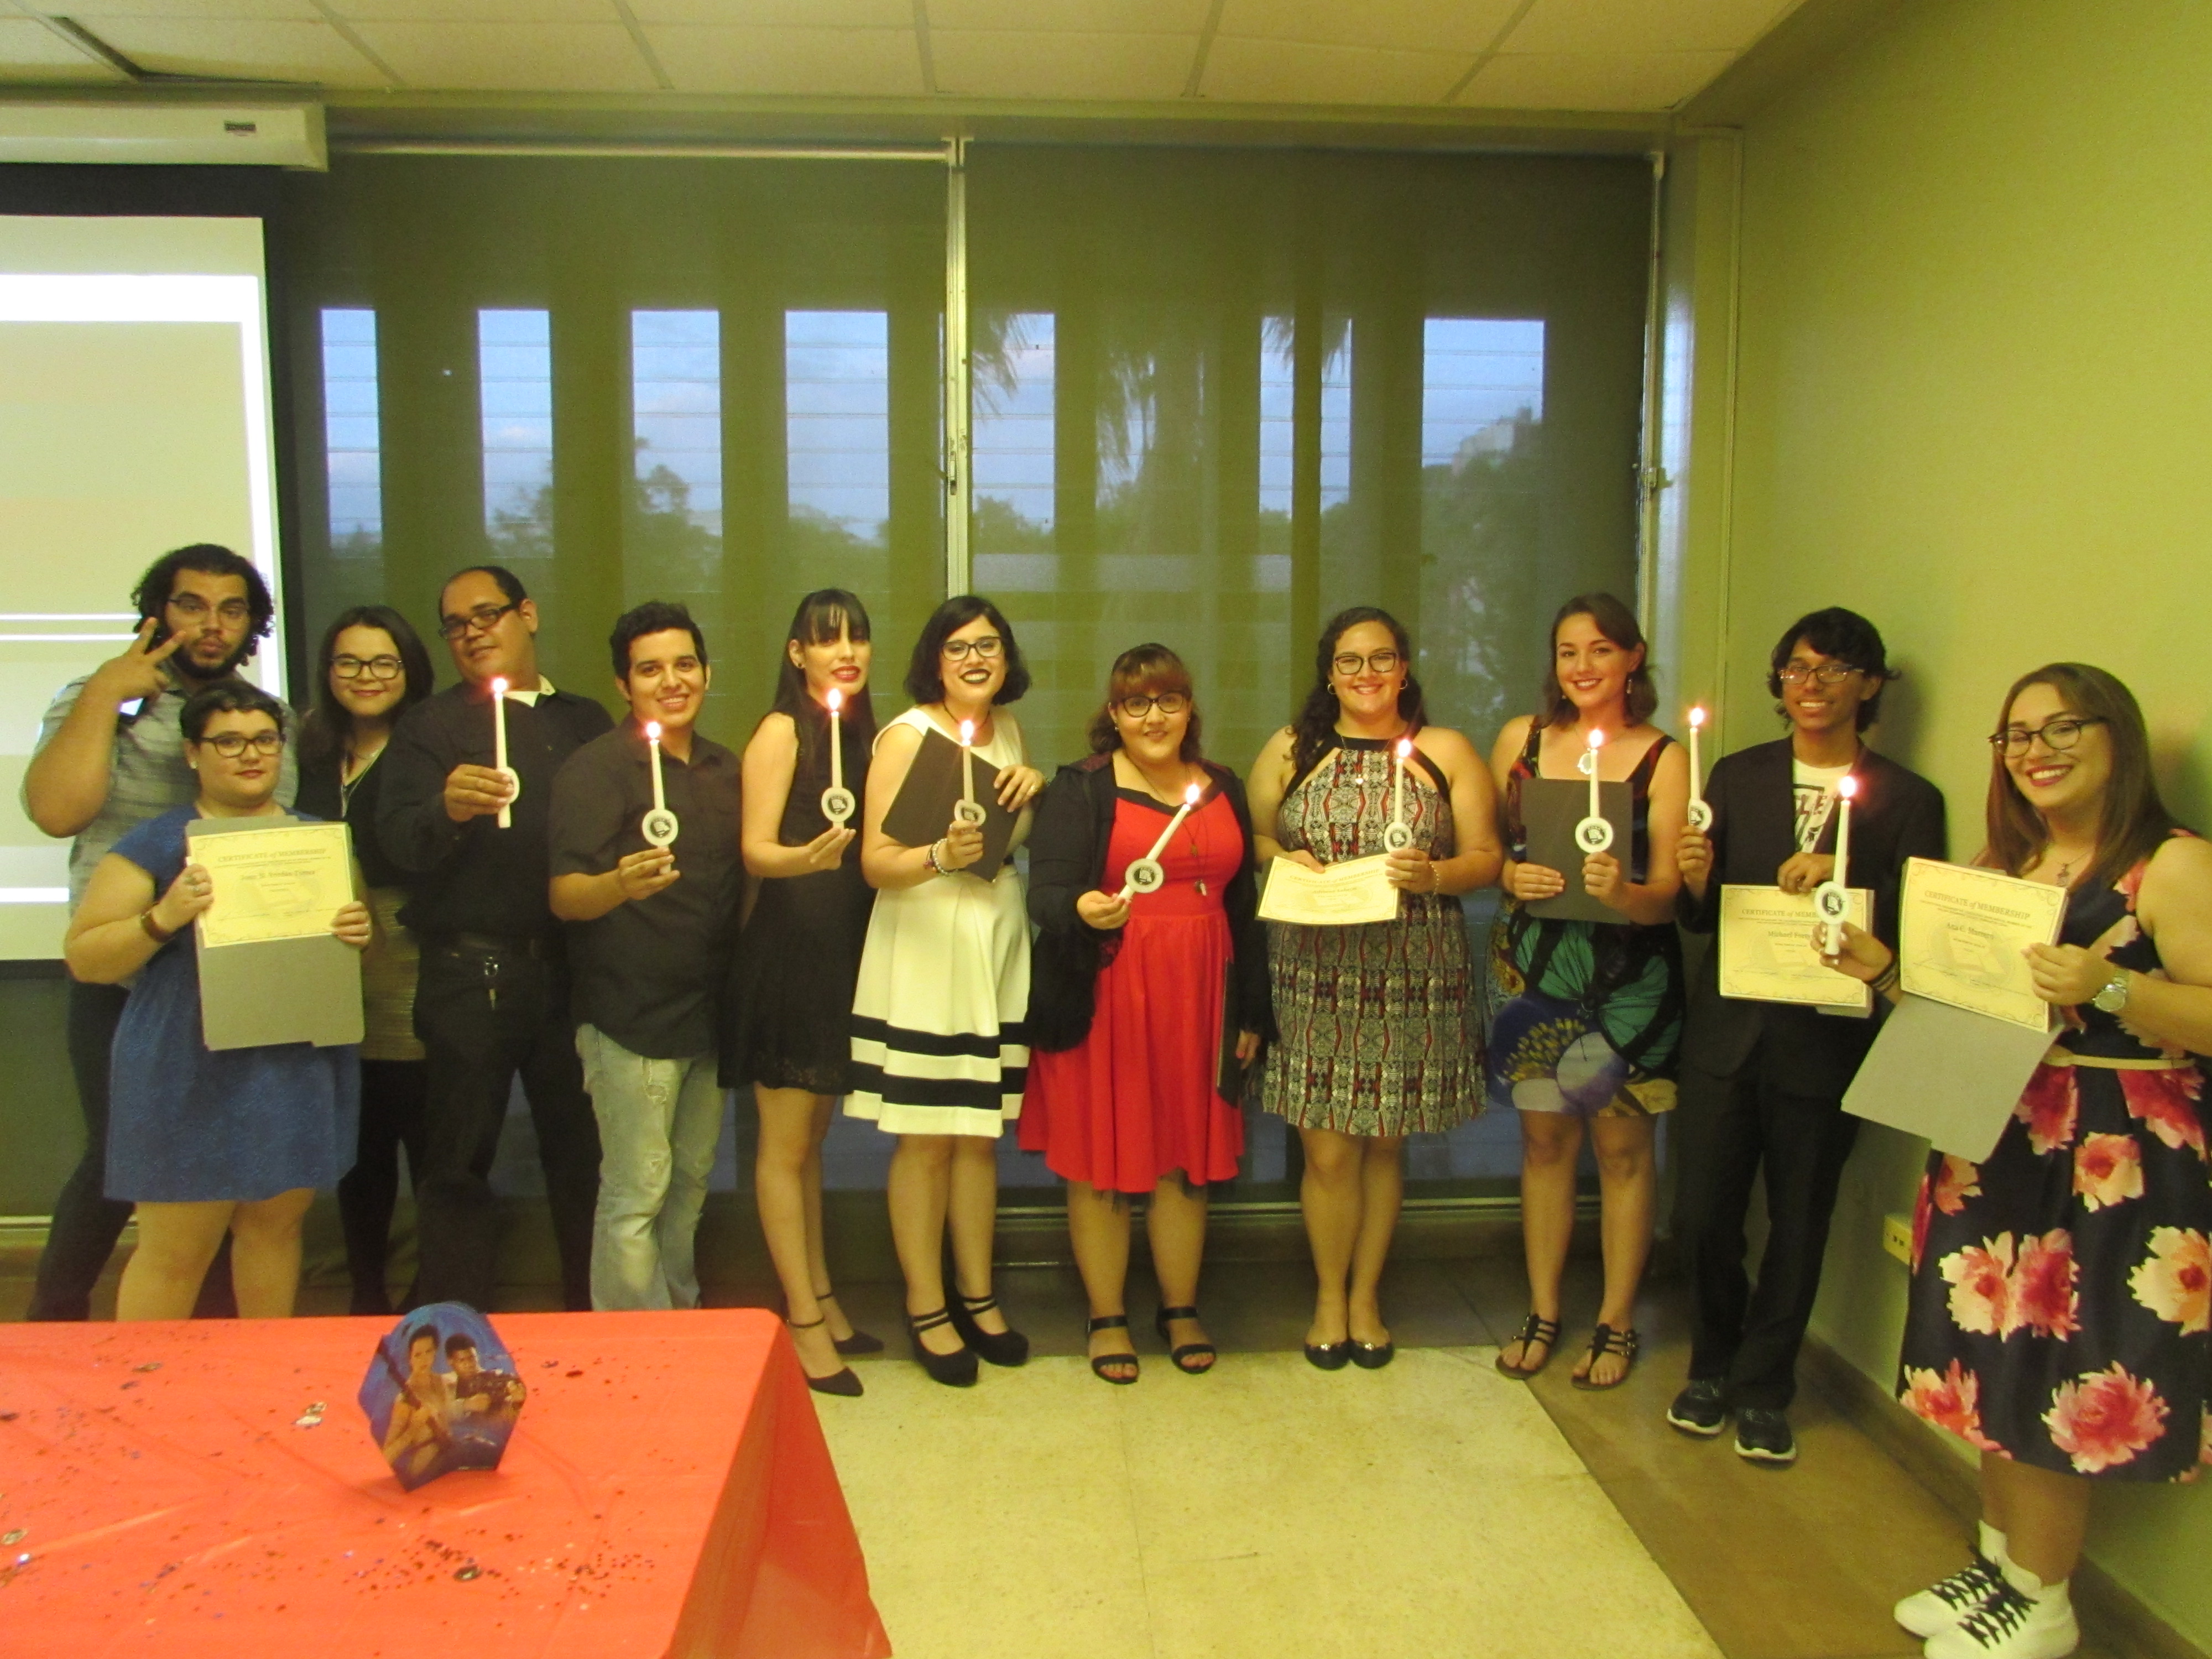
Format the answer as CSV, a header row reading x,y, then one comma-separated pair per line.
x,y
1380,1033
1586,1015
2062,1290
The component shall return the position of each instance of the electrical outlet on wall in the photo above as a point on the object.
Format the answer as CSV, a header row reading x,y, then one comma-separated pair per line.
x,y
1897,1236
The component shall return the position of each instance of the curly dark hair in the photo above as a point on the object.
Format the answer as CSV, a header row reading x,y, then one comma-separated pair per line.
x,y
326,726
925,675
1316,721
1151,668
226,697
654,616
1845,636
151,595
1618,623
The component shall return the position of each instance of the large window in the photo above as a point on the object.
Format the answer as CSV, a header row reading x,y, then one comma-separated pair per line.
x,y
353,445
514,380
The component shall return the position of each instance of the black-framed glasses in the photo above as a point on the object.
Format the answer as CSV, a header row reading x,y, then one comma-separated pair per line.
x,y
1826,674
192,606
231,744
377,668
1376,662
1168,702
988,646
2058,735
483,619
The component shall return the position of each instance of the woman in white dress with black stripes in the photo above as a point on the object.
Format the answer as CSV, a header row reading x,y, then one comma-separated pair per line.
x,y
939,1057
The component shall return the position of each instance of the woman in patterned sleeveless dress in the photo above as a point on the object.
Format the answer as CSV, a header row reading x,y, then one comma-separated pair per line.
x,y
2061,1312
939,1055
1586,1015
788,1019
1378,1022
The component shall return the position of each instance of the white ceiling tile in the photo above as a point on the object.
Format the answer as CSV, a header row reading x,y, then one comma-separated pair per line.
x,y
1013,63
1593,80
780,13
1467,26
1640,26
512,57
1076,16
1291,72
790,62
86,10
30,50
261,49
475,11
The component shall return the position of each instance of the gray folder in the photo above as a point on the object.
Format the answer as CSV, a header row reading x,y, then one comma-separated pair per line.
x,y
1550,810
1948,1074
281,990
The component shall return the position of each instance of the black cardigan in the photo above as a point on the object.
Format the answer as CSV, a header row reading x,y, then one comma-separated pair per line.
x,y
1068,859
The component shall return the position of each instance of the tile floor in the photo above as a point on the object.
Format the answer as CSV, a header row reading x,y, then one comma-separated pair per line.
x,y
1433,1508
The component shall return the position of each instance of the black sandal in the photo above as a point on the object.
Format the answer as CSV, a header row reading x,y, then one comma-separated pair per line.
x,y
1606,1341
955,1370
1007,1347
841,1382
1188,1350
1100,1361
858,1342
1532,1329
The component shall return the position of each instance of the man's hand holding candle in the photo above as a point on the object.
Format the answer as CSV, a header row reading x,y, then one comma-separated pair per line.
x,y
1693,857
476,791
642,874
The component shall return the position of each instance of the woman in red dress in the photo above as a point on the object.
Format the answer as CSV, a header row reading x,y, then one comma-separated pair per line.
x,y
1138,980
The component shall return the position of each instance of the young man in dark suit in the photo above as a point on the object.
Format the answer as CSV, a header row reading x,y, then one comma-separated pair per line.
x,y
1762,1083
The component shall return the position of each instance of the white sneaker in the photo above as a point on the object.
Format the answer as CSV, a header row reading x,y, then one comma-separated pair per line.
x,y
2011,1626
1941,1605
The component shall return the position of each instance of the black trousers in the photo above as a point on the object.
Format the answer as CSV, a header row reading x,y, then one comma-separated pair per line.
x,y
1727,1130
487,1016
391,1099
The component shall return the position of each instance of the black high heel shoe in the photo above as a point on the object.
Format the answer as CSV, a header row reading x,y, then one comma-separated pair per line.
x,y
955,1370
858,1342
1176,1356
842,1382
1100,1361
1007,1347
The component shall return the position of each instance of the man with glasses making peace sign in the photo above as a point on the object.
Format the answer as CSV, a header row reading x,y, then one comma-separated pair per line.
x,y
492,1002
111,756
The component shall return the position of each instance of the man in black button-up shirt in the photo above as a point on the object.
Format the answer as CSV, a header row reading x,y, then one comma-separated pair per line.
x,y
493,999
650,929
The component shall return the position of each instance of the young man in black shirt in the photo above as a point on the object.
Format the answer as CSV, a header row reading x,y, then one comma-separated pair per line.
x,y
650,930
1762,1083
492,1001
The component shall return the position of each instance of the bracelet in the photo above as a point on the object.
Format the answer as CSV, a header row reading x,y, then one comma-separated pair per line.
x,y
1886,981
153,929
931,855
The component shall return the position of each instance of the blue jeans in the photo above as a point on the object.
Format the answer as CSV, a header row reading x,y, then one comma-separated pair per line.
x,y
658,1122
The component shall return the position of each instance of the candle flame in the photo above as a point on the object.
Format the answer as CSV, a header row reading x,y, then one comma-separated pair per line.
x,y
499,688
1697,716
653,730
836,699
967,732
1190,795
1847,787
1405,749
1596,738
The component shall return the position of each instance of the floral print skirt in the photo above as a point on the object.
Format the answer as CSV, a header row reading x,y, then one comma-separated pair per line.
x,y
2062,1290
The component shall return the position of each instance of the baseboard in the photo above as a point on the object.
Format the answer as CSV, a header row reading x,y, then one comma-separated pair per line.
x,y
2121,1621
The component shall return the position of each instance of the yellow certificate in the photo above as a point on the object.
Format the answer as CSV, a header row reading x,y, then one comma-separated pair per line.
x,y
1767,954
1966,932
288,881
1342,895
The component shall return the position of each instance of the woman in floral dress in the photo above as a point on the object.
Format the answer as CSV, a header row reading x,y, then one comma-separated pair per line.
x,y
2060,1314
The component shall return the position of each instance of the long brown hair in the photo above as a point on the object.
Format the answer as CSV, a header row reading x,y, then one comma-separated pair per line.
x,y
2131,820
1152,668
1315,725
1618,623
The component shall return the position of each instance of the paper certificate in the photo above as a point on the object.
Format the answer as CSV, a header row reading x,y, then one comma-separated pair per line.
x,y
1965,932
1767,954
1342,895
288,881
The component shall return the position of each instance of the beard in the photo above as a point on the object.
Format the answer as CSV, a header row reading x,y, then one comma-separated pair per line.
x,y
188,665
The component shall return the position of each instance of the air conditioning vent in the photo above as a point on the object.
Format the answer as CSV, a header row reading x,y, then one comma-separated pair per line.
x,y
174,134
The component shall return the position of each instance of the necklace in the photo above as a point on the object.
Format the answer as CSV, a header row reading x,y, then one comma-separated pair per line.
x,y
2066,869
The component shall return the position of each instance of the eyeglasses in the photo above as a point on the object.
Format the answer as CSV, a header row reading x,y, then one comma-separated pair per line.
x,y
2057,735
230,611
1168,702
483,619
1376,662
377,668
1827,673
231,744
987,647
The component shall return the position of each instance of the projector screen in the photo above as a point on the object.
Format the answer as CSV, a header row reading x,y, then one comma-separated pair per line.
x,y
134,418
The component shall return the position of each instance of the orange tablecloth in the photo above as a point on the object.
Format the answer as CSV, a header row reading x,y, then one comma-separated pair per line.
x,y
667,1492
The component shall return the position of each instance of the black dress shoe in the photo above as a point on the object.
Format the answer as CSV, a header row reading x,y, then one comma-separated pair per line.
x,y
1373,1356
1700,1409
1008,1347
1329,1356
842,1382
955,1370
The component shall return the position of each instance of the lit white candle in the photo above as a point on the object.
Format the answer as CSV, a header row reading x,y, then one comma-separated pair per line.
x,y
1398,794
837,748
968,761
1846,788
652,742
1834,897
499,744
1145,874
1596,743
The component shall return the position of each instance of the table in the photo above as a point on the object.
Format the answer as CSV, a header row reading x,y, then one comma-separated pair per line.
x,y
668,1492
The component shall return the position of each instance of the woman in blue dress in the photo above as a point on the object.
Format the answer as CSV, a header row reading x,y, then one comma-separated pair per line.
x,y
207,1141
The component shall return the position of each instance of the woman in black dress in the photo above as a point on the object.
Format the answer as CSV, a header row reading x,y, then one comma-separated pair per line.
x,y
370,668
789,1029
2060,1319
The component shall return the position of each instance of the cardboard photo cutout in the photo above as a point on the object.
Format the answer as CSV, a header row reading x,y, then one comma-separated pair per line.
x,y
441,1393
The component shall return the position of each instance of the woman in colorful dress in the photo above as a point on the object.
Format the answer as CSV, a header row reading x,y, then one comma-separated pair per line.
x,y
2060,1319
1132,992
1587,1014
1379,1037
788,1019
939,1057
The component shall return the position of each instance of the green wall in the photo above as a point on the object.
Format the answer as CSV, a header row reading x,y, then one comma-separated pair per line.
x,y
1973,388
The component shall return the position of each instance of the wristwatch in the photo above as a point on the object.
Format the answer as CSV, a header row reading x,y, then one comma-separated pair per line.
x,y
2114,996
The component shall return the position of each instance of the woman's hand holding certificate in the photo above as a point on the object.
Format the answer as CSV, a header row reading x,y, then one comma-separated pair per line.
x,y
1332,895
